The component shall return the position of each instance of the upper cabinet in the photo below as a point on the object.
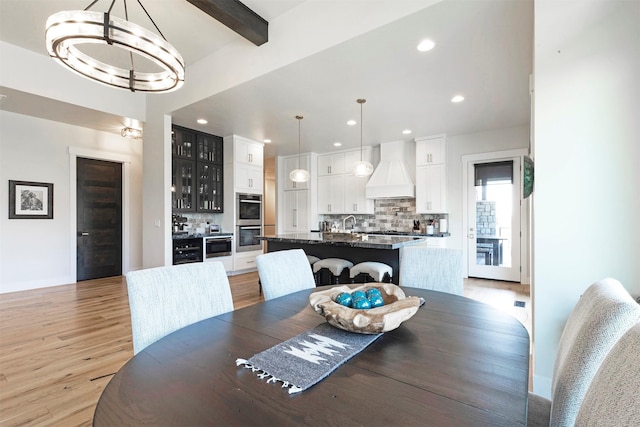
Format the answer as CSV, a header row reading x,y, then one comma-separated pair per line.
x,y
197,171
248,152
331,164
431,151
339,192
248,175
431,175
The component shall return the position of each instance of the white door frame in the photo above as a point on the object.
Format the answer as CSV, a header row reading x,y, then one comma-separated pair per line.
x,y
74,153
487,157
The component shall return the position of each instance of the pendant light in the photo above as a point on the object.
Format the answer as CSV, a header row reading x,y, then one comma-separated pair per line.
x,y
64,30
299,175
361,168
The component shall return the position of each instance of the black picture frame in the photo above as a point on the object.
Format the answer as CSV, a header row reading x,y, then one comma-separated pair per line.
x,y
30,200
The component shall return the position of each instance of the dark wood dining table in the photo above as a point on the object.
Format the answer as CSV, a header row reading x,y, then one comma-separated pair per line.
x,y
456,362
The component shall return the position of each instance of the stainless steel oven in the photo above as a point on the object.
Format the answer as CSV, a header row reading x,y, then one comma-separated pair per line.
x,y
216,246
247,237
249,209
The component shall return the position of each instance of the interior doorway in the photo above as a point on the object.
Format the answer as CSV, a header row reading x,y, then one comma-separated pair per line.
x,y
99,219
493,216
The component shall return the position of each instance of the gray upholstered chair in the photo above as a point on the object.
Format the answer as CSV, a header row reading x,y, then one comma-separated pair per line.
x,y
439,269
602,315
613,398
284,272
165,299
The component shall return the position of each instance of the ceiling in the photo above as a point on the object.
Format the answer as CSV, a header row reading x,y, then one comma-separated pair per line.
x,y
483,52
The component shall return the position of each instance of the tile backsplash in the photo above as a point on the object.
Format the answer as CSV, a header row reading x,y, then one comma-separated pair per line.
x,y
390,214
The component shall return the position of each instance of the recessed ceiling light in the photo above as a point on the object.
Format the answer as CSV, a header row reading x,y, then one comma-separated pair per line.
x,y
267,141
337,144
426,45
406,131
457,98
202,121
351,122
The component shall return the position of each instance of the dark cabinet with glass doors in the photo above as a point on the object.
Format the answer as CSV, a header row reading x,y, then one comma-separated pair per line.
x,y
197,171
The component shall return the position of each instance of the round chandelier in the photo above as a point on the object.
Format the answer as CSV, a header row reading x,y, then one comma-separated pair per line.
x,y
65,30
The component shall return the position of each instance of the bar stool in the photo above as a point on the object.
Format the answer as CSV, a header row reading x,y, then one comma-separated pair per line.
x,y
334,265
377,271
312,260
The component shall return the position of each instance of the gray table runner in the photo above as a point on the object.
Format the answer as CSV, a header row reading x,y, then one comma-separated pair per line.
x,y
306,359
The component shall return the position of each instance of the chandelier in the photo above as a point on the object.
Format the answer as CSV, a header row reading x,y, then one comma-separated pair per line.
x,y
65,30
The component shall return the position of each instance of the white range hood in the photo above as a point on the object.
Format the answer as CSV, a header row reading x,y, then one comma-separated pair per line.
x,y
392,178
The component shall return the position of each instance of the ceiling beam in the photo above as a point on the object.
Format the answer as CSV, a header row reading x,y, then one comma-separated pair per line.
x,y
237,17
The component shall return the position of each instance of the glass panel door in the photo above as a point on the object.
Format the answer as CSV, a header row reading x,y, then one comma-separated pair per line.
x,y
494,220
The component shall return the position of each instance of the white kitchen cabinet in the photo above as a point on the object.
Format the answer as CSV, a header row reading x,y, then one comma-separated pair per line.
x,y
331,164
431,189
291,164
296,211
355,201
331,190
243,261
248,178
431,150
248,152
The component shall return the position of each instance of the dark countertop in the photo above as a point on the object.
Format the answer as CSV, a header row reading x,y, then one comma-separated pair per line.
x,y
372,242
176,236
396,233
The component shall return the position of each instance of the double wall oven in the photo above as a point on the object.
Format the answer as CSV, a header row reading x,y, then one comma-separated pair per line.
x,y
248,222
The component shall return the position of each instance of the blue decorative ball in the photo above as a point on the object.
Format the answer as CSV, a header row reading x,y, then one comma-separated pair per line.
x,y
376,301
344,298
361,303
373,291
358,294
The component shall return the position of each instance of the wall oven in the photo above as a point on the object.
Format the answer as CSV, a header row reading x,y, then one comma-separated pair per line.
x,y
249,209
247,237
216,246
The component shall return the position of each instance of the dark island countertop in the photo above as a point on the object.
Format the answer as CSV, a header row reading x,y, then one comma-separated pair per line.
x,y
370,242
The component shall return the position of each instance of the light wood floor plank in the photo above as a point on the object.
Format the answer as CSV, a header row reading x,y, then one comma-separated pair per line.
x,y
60,346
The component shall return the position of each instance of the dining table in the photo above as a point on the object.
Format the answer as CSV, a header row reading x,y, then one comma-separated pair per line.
x,y
455,362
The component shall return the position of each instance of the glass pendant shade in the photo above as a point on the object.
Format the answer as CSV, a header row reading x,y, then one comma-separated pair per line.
x,y
361,168
64,30
299,175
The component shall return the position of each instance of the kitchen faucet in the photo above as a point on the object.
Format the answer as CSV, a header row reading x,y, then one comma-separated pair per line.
x,y
344,221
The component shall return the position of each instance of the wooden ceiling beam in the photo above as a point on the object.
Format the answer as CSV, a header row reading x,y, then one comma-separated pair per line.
x,y
237,17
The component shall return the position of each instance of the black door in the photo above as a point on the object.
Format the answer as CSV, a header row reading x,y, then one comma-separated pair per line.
x,y
99,219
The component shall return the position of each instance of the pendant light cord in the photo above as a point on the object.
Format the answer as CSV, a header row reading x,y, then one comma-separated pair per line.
x,y
299,119
361,101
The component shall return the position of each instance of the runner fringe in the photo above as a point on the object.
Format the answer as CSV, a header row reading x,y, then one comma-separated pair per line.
x,y
270,378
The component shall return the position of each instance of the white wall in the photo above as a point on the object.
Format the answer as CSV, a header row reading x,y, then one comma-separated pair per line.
x,y
586,148
474,143
36,253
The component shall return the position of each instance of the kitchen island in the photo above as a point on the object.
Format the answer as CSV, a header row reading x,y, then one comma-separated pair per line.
x,y
355,248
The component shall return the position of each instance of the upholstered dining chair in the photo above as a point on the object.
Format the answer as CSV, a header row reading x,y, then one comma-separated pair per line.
x,y
602,315
438,269
165,299
612,398
284,272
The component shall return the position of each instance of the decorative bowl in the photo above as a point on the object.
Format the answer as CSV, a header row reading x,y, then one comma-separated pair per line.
x,y
396,309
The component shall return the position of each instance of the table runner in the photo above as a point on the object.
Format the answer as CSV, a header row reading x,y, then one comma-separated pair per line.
x,y
306,359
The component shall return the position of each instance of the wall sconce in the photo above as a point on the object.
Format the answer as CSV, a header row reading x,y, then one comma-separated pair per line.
x,y
132,133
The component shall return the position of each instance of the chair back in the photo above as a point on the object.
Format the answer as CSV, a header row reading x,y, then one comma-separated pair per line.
x,y
165,299
438,269
284,272
612,398
602,315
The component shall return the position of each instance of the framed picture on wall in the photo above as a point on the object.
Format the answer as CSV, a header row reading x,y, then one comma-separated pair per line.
x,y
30,200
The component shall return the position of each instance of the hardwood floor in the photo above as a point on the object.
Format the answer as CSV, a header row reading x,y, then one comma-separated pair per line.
x,y
59,346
